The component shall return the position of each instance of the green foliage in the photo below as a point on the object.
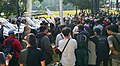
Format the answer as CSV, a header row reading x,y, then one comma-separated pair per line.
x,y
38,0
9,7
22,6
82,4
53,5
50,4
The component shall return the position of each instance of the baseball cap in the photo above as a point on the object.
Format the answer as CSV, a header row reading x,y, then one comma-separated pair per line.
x,y
10,32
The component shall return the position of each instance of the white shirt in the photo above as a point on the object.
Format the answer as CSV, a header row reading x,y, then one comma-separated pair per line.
x,y
75,30
68,56
58,38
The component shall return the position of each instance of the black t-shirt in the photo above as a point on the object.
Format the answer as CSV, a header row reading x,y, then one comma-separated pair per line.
x,y
34,56
2,58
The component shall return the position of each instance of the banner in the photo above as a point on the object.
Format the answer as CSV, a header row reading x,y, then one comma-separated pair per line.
x,y
50,13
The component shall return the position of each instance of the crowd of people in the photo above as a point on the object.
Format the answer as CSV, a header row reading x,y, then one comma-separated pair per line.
x,y
83,40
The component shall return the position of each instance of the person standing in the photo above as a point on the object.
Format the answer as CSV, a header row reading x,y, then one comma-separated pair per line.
x,y
31,55
68,56
26,31
44,43
114,44
102,47
59,36
75,31
82,50
16,46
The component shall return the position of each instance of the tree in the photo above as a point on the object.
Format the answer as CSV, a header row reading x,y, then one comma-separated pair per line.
x,y
98,4
38,0
23,6
9,7
81,4
117,5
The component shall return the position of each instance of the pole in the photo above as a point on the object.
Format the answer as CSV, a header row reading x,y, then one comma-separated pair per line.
x,y
75,2
95,5
92,7
61,12
76,8
109,6
29,8
17,7
117,5
18,15
98,2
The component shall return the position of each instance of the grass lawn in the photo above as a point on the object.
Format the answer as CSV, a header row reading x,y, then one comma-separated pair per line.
x,y
65,13
72,12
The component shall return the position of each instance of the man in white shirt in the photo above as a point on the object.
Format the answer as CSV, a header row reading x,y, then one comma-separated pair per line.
x,y
75,31
59,36
68,56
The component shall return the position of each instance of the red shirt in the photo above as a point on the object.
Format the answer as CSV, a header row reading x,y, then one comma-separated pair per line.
x,y
104,21
16,46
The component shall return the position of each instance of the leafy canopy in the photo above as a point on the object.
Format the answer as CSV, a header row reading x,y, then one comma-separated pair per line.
x,y
9,7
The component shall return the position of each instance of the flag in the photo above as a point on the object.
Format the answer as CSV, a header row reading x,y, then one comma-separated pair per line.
x,y
50,13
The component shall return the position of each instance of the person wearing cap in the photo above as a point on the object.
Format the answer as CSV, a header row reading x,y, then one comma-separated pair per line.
x,y
31,55
16,45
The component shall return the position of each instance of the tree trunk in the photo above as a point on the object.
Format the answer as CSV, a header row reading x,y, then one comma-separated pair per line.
x,y
82,11
92,7
117,5
17,7
76,9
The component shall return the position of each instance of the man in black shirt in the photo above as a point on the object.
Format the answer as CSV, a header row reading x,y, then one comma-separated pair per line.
x,y
44,43
31,55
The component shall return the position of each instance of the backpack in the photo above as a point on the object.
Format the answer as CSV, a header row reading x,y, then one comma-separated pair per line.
x,y
102,43
82,41
7,48
39,38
